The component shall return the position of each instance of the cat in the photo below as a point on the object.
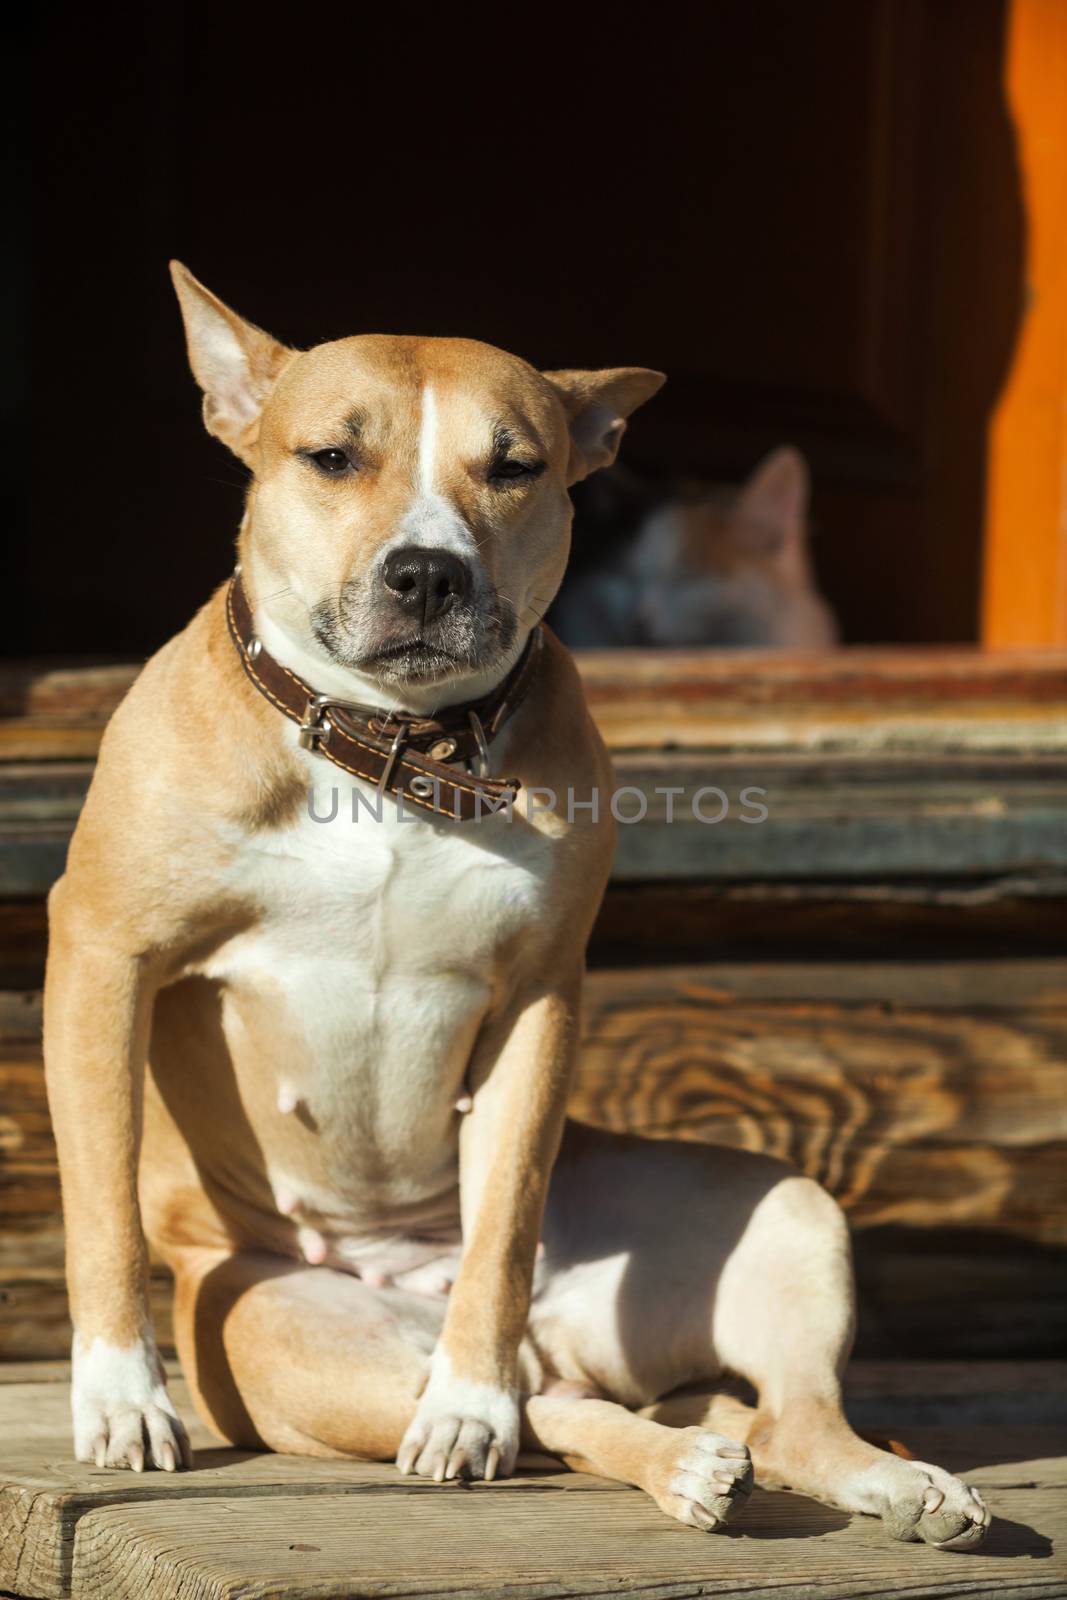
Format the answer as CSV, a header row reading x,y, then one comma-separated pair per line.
x,y
660,565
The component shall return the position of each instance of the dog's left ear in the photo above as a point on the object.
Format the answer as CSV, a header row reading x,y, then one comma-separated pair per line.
x,y
235,363
597,406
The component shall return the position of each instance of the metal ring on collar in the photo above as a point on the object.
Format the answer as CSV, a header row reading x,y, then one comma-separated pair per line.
x,y
392,758
483,747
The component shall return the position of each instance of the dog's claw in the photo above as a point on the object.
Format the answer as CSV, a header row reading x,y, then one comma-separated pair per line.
x,y
452,1437
924,1502
701,1517
700,1477
135,1456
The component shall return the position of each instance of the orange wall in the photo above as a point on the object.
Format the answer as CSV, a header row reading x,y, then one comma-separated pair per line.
x,y
1025,591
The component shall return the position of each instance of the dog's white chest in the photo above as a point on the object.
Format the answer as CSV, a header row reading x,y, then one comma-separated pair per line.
x,y
359,989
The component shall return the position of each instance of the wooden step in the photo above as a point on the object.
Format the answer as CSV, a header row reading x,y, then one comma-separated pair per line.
x,y
258,1525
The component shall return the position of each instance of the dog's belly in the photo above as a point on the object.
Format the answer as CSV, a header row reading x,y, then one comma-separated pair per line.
x,y
325,1045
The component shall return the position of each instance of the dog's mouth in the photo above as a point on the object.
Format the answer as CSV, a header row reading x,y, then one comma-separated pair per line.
x,y
417,658
463,642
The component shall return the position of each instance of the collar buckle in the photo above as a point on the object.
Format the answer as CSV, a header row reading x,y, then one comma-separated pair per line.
x,y
314,728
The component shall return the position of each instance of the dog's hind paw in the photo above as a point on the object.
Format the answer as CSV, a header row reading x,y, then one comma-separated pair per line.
x,y
699,1477
461,1429
917,1501
939,1509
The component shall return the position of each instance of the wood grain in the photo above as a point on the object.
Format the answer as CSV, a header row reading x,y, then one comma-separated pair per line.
x,y
876,764
843,818
44,1495
929,1095
875,699
540,1544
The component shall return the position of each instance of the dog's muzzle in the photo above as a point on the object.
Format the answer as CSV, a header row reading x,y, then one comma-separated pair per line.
x,y
412,758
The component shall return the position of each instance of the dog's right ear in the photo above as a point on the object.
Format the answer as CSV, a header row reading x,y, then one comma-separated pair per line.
x,y
235,363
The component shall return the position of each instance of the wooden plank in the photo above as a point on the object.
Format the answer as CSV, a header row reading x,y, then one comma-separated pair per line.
x,y
655,921
47,1495
874,763
886,675
44,1493
922,1094
542,1544
34,1314
887,698
845,821
73,691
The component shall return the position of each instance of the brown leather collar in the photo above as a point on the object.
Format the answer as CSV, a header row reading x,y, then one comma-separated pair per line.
x,y
408,757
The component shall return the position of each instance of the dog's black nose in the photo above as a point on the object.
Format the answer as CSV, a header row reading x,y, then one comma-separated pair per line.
x,y
425,582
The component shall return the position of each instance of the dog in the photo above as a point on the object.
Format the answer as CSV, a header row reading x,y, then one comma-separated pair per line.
x,y
360,1030
689,564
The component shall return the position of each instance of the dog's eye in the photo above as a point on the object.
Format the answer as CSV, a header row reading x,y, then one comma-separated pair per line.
x,y
332,462
507,471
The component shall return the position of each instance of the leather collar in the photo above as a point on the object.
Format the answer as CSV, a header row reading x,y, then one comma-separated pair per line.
x,y
409,757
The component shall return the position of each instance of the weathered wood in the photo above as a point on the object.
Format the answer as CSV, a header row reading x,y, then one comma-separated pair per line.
x,y
848,820
64,694
44,1492
837,820
45,1497
23,944
654,922
873,762
541,1544
35,1319
928,1093
48,1503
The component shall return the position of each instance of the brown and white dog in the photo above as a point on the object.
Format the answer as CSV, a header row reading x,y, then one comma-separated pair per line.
x,y
360,1034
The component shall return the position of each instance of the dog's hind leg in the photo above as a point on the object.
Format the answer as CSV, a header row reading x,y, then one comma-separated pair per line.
x,y
314,1362
300,1359
670,1266
694,1474
784,1320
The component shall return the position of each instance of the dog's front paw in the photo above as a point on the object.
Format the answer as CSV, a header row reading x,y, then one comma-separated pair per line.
x,y
461,1429
123,1415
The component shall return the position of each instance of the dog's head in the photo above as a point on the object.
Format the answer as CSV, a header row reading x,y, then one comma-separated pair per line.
x,y
408,517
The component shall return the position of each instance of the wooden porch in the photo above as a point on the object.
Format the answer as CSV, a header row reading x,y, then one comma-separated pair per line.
x,y
258,1526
